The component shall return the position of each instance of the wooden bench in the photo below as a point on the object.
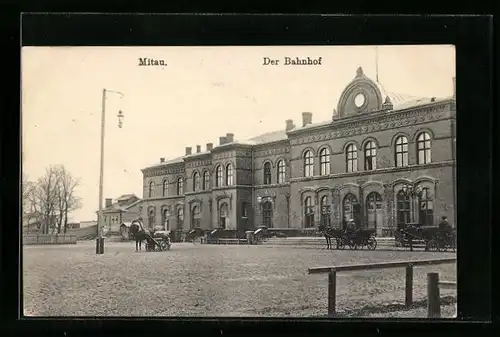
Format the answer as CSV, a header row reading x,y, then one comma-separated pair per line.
x,y
231,241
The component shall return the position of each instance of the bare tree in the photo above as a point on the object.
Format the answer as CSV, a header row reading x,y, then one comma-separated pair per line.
x,y
45,197
67,201
29,209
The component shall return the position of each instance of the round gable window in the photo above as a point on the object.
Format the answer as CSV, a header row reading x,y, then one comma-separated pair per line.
x,y
359,100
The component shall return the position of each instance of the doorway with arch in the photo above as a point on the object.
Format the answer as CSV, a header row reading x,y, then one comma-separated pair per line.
x,y
352,209
195,217
267,214
224,215
374,212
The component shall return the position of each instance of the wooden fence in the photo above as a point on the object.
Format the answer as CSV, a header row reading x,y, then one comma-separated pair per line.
x,y
62,239
408,265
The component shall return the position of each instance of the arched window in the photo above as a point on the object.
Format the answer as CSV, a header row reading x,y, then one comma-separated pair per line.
x,y
370,156
281,172
267,173
206,180
218,176
352,158
308,164
267,214
308,212
196,181
424,148
165,188
180,186
325,211
324,162
165,215
150,189
195,217
426,208
229,175
374,212
401,151
180,218
352,209
402,208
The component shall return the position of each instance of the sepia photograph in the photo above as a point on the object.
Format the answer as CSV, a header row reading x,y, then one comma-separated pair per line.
x,y
239,181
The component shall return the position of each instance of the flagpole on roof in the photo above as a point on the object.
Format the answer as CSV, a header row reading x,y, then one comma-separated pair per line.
x,y
376,63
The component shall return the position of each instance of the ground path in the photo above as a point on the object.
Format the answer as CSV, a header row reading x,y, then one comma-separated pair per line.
x,y
212,280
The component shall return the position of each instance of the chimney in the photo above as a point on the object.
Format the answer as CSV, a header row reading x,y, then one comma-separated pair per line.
x,y
454,87
306,118
230,137
222,140
188,150
162,159
210,146
108,202
289,124
198,148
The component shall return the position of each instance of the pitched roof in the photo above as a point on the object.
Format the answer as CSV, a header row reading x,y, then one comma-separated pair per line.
x,y
126,197
268,137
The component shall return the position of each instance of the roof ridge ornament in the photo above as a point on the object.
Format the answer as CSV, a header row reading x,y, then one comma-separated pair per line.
x,y
335,115
359,72
387,105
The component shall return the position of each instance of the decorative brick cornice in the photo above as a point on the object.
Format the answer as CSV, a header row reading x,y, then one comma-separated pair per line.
x,y
375,172
272,152
198,192
372,123
198,163
272,185
223,188
164,198
162,171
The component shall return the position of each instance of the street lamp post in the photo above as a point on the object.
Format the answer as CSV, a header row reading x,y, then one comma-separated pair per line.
x,y
100,240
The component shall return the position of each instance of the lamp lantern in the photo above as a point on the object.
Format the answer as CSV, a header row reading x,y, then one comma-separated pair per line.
x,y
120,118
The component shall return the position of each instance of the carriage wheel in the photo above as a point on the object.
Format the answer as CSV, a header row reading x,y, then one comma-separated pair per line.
x,y
433,246
352,245
163,246
341,244
371,244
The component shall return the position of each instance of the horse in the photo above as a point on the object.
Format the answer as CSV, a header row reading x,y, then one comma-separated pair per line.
x,y
329,232
139,234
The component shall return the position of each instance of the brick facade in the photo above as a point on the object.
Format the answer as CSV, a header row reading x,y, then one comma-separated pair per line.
x,y
251,199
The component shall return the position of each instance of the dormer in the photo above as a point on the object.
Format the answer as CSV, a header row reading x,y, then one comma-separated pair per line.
x,y
362,95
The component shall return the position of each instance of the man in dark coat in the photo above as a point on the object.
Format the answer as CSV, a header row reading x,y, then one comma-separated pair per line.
x,y
444,223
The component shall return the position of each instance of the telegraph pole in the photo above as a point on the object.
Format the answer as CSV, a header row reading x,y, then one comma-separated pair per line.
x,y
100,240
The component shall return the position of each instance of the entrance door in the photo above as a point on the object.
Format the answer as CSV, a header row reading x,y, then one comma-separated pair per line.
x,y
374,212
195,217
352,209
267,214
223,216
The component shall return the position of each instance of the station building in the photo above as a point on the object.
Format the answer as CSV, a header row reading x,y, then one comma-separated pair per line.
x,y
383,159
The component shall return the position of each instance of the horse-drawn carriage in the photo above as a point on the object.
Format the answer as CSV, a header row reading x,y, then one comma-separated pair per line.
x,y
357,239
156,240
352,238
434,238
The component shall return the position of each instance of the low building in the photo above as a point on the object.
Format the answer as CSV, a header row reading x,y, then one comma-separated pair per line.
x,y
383,159
124,209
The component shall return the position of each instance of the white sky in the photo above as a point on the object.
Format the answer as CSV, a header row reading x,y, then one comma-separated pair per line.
x,y
203,93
